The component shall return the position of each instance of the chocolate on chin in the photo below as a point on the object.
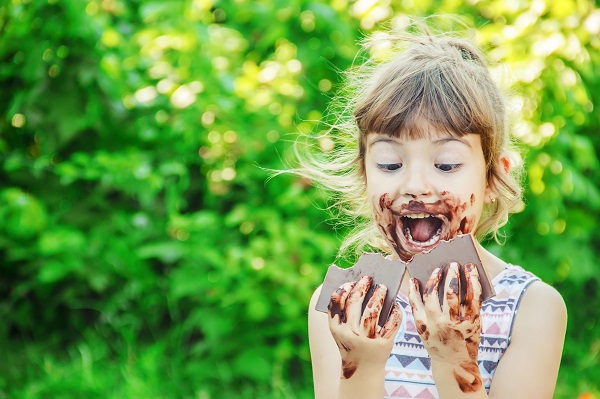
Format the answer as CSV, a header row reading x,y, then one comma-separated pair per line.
x,y
383,271
461,249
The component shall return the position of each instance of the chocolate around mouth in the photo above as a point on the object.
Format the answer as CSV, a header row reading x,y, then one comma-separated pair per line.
x,y
448,218
421,228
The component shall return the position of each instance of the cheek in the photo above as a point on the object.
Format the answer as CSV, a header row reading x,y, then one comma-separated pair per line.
x,y
370,188
374,186
462,213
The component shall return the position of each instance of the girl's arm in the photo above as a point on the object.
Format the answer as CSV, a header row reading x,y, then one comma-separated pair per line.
x,y
348,349
529,367
324,353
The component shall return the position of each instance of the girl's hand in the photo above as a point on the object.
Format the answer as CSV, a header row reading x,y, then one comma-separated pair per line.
x,y
451,332
361,341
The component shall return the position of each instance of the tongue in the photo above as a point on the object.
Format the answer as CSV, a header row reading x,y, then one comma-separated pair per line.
x,y
423,229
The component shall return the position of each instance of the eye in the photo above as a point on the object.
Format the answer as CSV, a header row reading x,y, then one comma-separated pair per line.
x,y
447,167
389,167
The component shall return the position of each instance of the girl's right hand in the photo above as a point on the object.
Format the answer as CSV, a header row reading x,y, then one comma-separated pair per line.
x,y
361,341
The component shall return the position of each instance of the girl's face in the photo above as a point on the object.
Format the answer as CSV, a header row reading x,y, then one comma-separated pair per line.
x,y
426,190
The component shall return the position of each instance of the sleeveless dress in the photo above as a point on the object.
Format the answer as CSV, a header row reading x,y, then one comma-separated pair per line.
x,y
408,369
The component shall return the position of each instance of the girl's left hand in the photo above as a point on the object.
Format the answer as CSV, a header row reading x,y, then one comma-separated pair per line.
x,y
451,332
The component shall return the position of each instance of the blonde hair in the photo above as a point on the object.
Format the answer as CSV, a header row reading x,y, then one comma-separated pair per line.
x,y
440,79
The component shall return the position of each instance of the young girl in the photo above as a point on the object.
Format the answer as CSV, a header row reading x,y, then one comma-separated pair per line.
x,y
431,160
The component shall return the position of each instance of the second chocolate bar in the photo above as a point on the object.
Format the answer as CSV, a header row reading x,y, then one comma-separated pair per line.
x,y
461,250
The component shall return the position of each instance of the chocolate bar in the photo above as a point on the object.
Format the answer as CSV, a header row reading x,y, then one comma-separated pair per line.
x,y
462,250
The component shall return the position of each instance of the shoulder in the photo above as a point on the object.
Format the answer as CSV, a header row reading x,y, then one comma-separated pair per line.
x,y
312,311
318,325
315,297
540,323
542,297
542,304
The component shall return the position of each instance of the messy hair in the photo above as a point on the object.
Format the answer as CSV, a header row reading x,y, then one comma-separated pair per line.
x,y
406,78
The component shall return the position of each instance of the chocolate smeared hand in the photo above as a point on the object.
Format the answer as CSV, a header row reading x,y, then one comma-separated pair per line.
x,y
418,226
356,332
383,271
451,332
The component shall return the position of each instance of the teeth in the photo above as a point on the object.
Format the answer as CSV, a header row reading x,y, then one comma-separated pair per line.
x,y
431,241
434,239
418,216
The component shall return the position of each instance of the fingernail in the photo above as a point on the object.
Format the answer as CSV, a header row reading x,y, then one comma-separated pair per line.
x,y
415,283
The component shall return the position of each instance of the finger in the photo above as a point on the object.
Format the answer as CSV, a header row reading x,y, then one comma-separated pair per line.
x,y
370,317
431,296
355,301
431,282
468,300
390,328
337,303
452,289
472,303
414,297
419,314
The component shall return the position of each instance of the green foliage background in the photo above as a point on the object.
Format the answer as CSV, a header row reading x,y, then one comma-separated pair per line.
x,y
142,254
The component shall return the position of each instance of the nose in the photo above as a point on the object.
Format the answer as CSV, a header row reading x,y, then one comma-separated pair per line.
x,y
416,184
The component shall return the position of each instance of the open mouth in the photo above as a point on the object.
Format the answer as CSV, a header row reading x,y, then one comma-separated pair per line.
x,y
421,229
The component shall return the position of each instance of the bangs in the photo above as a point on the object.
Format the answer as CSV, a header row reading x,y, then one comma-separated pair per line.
x,y
433,98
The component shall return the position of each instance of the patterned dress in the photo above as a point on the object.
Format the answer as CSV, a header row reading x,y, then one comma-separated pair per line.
x,y
408,370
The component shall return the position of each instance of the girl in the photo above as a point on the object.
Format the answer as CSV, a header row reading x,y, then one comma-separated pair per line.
x,y
430,160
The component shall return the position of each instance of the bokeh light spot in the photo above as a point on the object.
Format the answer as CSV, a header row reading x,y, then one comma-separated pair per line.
x,y
18,120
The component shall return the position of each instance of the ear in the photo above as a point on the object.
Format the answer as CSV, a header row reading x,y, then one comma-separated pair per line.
x,y
504,166
505,163
489,195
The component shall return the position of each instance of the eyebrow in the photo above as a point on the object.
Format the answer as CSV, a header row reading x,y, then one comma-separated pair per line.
x,y
436,142
384,140
450,139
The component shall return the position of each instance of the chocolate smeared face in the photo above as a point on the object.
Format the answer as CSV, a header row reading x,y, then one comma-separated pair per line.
x,y
417,226
425,190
